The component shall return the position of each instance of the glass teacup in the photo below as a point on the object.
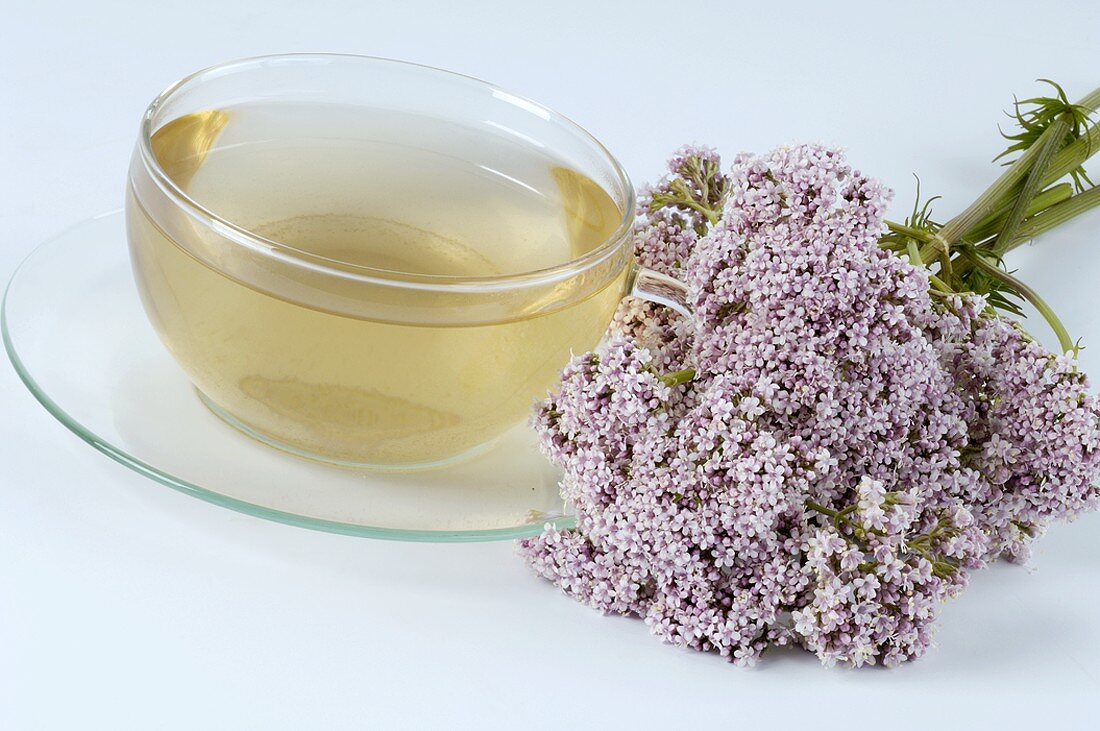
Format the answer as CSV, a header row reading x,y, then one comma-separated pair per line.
x,y
370,262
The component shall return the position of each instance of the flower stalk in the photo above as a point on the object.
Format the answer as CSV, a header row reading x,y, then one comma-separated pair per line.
x,y
979,263
678,378
1049,144
1056,215
1054,139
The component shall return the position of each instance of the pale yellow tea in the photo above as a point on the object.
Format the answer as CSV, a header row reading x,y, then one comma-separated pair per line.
x,y
347,376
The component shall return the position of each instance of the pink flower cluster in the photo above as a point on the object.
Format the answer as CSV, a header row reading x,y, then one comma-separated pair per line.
x,y
844,448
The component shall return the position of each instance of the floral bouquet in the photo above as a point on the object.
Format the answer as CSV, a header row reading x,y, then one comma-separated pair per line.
x,y
852,422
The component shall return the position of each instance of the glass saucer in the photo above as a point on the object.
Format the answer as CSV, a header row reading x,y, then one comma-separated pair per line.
x,y
74,328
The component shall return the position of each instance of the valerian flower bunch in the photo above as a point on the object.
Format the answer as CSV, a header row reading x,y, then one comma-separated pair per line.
x,y
842,432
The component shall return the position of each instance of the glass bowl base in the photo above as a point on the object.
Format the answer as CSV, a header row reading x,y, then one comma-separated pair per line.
x,y
282,446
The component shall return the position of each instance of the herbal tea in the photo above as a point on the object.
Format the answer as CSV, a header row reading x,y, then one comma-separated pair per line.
x,y
360,190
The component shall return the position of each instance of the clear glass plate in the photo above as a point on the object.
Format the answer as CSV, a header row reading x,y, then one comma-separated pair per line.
x,y
74,328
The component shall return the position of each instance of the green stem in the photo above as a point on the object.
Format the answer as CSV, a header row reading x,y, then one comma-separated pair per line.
x,y
936,247
847,511
1067,159
931,247
946,270
995,222
687,198
1047,199
939,284
821,509
1056,215
914,254
992,198
678,377
1090,101
1027,293
841,516
903,230
1075,153
1048,143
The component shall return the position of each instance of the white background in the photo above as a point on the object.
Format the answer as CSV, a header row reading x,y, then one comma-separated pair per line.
x,y
126,605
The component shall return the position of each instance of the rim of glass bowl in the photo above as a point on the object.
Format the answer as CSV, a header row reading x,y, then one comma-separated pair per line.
x,y
272,248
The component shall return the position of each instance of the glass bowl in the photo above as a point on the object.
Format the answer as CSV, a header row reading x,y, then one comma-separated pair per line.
x,y
75,331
